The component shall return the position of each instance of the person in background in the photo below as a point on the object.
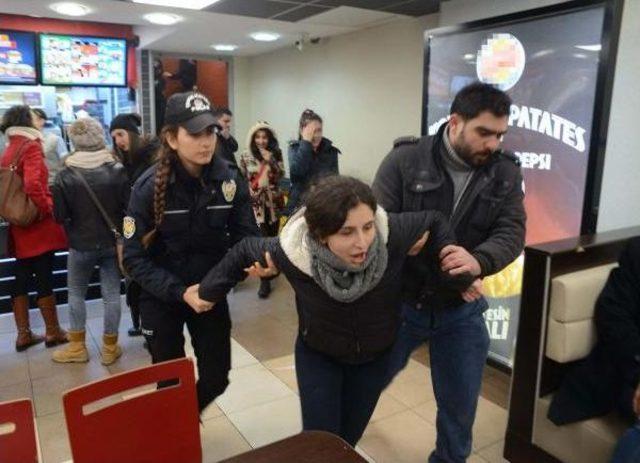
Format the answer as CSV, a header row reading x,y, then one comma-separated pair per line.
x,y
92,242
609,378
184,214
262,166
187,74
227,145
54,146
137,153
310,157
158,90
134,150
33,246
461,172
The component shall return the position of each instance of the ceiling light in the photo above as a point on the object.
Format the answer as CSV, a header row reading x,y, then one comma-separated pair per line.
x,y
163,19
189,4
70,9
224,47
265,36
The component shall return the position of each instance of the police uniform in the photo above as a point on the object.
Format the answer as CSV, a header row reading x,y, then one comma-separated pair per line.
x,y
203,217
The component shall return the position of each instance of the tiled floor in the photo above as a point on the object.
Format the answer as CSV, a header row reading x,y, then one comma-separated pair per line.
x,y
261,404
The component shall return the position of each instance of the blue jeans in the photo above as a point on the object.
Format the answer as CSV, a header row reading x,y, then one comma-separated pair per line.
x,y
628,448
80,267
338,397
458,346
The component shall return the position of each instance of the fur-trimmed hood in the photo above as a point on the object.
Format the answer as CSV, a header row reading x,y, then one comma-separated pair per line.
x,y
293,238
28,132
261,125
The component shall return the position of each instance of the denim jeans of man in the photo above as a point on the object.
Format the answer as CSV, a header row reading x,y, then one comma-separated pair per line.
x,y
80,267
458,346
628,448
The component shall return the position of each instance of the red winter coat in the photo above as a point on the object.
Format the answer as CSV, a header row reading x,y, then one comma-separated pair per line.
x,y
45,234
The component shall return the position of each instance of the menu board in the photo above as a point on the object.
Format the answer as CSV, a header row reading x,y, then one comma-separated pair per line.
x,y
77,60
17,57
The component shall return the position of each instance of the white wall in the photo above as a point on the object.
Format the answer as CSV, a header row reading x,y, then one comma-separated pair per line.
x,y
620,196
368,87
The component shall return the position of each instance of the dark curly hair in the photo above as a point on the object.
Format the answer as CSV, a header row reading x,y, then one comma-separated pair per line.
x,y
329,201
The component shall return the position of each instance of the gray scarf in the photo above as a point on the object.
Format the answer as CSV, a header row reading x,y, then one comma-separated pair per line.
x,y
343,282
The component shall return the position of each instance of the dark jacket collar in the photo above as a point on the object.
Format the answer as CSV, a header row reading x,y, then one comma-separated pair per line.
x,y
217,169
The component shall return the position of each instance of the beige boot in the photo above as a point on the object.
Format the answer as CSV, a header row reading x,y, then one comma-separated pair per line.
x,y
74,352
111,351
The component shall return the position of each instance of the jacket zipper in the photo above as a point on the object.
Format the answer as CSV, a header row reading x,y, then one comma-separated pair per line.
x,y
353,329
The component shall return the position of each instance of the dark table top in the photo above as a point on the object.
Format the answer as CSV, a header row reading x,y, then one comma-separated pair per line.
x,y
308,447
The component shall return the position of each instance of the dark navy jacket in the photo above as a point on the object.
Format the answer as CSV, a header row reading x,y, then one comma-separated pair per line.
x,y
200,224
306,165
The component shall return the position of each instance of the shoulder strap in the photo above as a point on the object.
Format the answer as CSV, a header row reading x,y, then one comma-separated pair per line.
x,y
16,159
97,203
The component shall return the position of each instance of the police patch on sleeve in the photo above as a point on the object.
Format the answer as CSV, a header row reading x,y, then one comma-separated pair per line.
x,y
128,226
229,188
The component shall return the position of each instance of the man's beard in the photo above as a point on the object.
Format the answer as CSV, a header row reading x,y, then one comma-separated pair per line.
x,y
473,158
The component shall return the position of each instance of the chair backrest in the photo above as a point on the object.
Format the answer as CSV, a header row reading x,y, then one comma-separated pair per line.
x,y
159,426
18,442
571,332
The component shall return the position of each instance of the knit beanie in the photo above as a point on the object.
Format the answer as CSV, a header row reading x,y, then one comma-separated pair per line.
x,y
87,134
130,122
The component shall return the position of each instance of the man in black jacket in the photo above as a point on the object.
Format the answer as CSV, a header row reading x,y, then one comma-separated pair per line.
x,y
609,378
227,145
460,173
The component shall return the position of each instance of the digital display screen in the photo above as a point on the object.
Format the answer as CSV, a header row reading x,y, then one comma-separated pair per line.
x,y
79,60
17,57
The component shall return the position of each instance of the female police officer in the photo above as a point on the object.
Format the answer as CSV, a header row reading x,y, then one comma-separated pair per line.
x,y
184,213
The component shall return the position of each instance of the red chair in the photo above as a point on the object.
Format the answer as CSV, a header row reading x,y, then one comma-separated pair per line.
x,y
157,427
18,445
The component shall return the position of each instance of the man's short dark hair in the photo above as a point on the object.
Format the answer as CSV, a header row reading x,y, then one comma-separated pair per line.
x,y
477,98
218,113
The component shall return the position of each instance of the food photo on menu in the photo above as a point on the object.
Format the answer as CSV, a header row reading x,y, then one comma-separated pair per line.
x,y
69,60
17,58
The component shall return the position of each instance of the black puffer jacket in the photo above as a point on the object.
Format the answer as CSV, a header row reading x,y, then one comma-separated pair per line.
x,y
74,209
353,332
489,221
307,165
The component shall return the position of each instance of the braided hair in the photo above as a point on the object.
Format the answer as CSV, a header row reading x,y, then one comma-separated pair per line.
x,y
166,156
